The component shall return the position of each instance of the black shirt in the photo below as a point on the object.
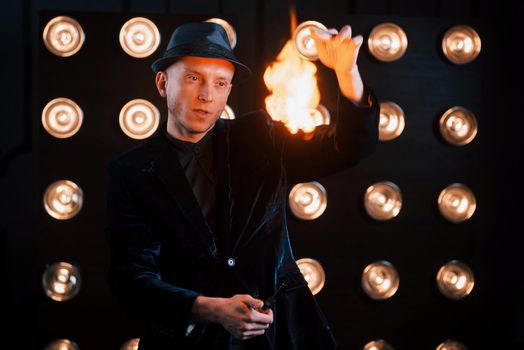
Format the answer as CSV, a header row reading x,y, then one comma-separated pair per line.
x,y
196,158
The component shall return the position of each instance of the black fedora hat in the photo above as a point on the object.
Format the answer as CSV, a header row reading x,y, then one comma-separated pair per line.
x,y
201,39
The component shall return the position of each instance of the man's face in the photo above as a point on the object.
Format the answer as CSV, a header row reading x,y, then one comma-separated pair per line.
x,y
196,89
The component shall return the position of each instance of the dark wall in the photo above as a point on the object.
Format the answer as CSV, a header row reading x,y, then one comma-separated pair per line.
x,y
101,78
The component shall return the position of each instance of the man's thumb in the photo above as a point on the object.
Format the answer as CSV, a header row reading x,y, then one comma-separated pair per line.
x,y
253,303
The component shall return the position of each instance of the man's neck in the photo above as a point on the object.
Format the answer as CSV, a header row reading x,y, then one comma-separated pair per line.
x,y
180,134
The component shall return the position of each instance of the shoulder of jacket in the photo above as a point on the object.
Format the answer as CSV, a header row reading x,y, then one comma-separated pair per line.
x,y
132,160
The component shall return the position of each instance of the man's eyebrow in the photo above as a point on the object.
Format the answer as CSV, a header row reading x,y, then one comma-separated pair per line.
x,y
197,72
192,71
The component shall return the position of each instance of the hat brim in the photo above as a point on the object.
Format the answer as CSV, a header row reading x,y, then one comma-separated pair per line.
x,y
242,72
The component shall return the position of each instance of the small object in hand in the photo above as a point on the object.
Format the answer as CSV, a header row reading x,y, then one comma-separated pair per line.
x,y
268,303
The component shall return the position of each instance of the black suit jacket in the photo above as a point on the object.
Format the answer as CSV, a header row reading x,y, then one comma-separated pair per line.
x,y
163,254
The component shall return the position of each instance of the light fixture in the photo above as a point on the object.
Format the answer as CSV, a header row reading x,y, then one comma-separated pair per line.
x,y
313,274
320,115
458,126
455,280
61,281
63,36
380,280
227,113
139,119
387,42
457,203
379,344
230,31
451,345
383,200
63,199
461,44
391,122
62,117
303,40
62,344
131,344
139,37
308,201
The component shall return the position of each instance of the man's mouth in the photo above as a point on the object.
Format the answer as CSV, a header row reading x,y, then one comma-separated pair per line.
x,y
202,111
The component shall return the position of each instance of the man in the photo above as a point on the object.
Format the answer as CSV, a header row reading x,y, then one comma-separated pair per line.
x,y
197,215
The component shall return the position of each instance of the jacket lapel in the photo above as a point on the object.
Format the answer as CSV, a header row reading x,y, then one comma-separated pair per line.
x,y
170,172
250,210
224,200
236,197
234,212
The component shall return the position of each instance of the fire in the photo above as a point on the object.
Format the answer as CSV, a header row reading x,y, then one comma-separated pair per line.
x,y
294,94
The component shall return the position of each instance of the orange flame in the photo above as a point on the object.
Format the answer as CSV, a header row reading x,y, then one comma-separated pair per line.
x,y
294,92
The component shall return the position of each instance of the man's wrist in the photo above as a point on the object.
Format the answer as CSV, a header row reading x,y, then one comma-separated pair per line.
x,y
205,309
351,86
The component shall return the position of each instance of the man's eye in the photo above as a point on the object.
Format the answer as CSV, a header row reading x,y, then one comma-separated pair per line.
x,y
192,77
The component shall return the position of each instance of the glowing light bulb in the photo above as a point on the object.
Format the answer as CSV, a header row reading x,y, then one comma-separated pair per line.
x,y
308,201
62,117
455,280
62,344
131,344
63,199
313,274
457,203
379,344
387,42
139,37
458,126
461,44
139,119
63,36
61,281
383,200
451,345
303,40
391,122
380,280
227,113
230,31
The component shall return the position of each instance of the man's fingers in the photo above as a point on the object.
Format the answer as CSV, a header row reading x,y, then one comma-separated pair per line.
x,y
320,41
344,33
320,33
253,326
251,334
357,42
332,31
252,302
261,318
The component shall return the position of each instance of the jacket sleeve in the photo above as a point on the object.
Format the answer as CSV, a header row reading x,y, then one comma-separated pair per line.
x,y
330,148
133,274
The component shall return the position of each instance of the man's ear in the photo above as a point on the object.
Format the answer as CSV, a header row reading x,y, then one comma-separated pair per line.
x,y
161,82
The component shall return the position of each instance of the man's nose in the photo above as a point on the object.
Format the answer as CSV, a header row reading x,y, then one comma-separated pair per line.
x,y
205,94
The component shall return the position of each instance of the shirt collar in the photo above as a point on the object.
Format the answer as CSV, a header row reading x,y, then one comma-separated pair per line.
x,y
186,147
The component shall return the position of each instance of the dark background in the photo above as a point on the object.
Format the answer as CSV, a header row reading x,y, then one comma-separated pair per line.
x,y
101,78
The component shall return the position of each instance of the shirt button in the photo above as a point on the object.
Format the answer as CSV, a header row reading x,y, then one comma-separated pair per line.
x,y
231,262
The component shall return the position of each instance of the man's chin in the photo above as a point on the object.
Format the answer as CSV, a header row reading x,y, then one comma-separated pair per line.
x,y
201,129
